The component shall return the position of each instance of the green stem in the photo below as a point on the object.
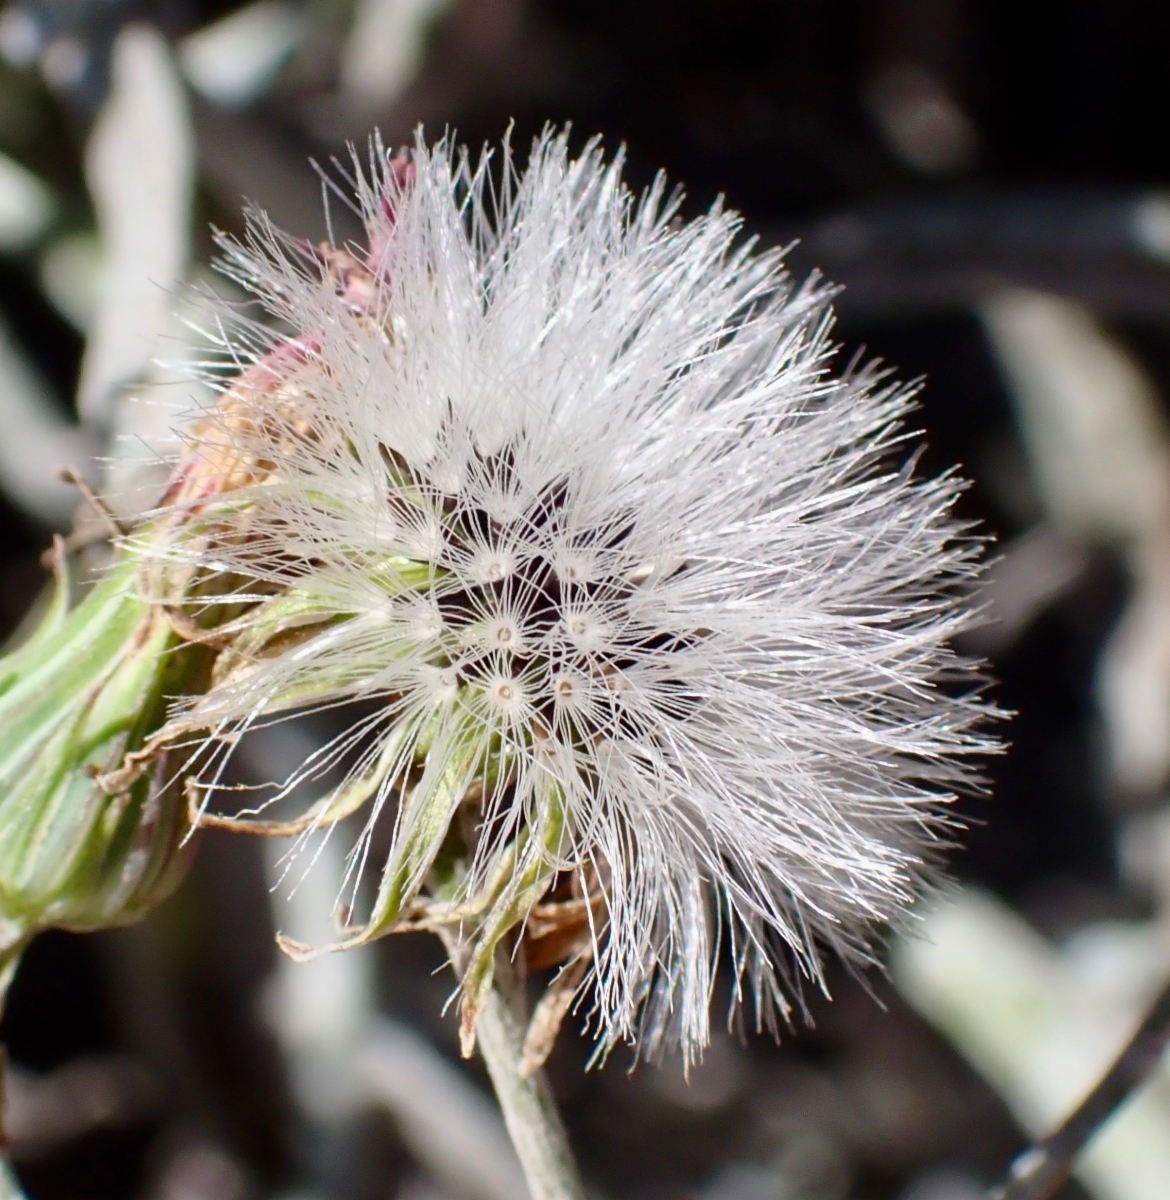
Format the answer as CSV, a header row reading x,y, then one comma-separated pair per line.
x,y
530,1112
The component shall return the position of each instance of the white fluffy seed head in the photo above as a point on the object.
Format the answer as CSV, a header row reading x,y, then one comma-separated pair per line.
x,y
651,546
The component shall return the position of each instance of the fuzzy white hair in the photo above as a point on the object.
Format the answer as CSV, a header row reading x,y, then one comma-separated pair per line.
x,y
565,486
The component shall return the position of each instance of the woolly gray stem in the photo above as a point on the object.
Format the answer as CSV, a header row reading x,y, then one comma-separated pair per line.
x,y
1039,1173
530,1112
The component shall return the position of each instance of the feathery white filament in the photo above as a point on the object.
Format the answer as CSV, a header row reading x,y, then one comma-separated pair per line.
x,y
580,471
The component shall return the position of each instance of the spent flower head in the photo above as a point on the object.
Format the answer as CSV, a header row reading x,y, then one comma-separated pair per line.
x,y
651,620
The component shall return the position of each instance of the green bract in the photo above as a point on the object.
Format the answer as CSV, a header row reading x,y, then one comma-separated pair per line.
x,y
86,842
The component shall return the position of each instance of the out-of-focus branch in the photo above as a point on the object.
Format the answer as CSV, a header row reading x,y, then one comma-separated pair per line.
x,y
917,257
1039,1173
1042,1024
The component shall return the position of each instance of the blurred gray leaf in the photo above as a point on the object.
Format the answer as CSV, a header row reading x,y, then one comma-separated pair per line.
x,y
140,163
1030,573
233,61
384,51
1094,430
27,206
36,442
921,121
69,274
1089,416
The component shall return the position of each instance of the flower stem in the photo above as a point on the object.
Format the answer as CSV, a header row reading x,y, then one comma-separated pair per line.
x,y
1040,1172
530,1112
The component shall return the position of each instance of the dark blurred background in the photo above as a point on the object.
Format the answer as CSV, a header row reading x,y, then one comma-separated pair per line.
x,y
990,183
